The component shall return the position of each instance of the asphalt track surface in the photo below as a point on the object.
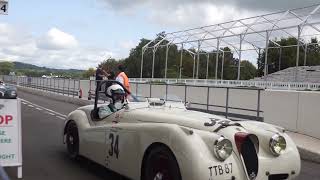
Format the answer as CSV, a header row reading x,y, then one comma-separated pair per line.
x,y
45,157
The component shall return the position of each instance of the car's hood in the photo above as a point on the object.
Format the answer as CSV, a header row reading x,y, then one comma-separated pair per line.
x,y
176,113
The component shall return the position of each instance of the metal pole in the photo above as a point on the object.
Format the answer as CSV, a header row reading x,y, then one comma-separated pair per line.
x,y
198,60
180,72
298,53
280,57
74,86
217,59
305,55
194,66
64,82
266,56
142,63
227,103
166,66
222,65
153,58
207,73
68,86
240,53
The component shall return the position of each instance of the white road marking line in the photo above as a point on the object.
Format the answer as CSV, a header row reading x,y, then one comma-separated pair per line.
x,y
62,115
24,103
30,105
39,109
50,113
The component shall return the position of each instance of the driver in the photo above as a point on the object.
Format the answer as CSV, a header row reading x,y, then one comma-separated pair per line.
x,y
117,95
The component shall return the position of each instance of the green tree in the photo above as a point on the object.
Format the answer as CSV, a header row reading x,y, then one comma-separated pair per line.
x,y
288,55
111,64
88,73
6,67
248,70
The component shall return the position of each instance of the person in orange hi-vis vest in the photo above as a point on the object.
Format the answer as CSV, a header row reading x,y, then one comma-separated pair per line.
x,y
123,78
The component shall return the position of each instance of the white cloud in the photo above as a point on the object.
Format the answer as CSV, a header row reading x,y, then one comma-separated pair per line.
x,y
196,14
56,39
54,49
127,44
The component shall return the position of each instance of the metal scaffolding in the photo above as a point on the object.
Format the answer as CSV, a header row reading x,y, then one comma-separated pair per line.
x,y
254,33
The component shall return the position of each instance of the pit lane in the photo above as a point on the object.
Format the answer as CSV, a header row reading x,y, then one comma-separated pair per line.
x,y
45,157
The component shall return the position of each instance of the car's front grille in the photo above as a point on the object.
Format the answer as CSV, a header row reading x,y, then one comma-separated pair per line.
x,y
250,158
278,176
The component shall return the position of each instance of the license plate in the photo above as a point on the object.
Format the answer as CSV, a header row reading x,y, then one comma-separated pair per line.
x,y
219,170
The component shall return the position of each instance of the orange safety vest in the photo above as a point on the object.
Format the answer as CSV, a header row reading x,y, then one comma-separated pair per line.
x,y
125,81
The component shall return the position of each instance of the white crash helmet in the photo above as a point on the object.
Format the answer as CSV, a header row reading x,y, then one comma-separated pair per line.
x,y
116,93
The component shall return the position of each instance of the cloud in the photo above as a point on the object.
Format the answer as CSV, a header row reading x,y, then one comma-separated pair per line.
x,y
127,45
56,39
190,13
243,4
197,14
54,49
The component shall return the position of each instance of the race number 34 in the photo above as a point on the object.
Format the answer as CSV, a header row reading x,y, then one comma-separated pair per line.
x,y
114,145
3,7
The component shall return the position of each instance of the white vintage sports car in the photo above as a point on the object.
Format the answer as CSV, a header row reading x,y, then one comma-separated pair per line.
x,y
162,140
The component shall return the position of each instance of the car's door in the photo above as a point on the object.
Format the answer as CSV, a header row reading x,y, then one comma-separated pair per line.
x,y
95,136
122,146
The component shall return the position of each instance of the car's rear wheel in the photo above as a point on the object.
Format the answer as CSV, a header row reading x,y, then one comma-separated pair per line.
x,y
161,165
72,140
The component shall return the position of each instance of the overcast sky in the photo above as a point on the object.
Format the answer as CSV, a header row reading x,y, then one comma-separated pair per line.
x,y
81,33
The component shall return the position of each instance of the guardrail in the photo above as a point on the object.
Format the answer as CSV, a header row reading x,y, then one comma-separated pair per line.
x,y
209,98
68,87
235,83
201,98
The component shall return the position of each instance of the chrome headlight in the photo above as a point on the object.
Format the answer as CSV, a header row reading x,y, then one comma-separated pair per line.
x,y
277,144
222,148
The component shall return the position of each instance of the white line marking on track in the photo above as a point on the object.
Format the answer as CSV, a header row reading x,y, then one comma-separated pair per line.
x,y
60,117
52,111
39,109
24,103
30,105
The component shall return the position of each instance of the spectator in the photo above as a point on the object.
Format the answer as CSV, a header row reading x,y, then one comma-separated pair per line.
x,y
100,74
110,77
123,78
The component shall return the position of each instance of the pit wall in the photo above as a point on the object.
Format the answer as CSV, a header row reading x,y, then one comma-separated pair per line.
x,y
297,111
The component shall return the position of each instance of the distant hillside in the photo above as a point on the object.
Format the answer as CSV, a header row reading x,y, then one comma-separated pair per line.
x,y
20,65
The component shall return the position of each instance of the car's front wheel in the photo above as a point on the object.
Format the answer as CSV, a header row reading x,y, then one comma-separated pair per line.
x,y
72,140
161,165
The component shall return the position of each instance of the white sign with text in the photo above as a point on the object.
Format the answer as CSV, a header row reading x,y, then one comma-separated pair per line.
x,y
10,133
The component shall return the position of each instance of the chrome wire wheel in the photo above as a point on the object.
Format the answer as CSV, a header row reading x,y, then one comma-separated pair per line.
x,y
161,165
72,140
